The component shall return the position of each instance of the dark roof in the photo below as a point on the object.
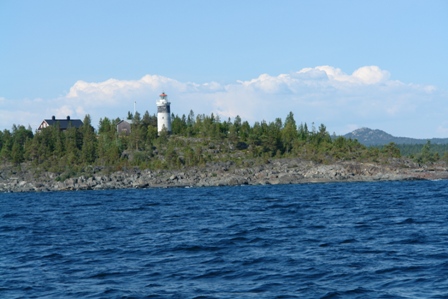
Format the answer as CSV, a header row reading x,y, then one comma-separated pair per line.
x,y
129,121
64,123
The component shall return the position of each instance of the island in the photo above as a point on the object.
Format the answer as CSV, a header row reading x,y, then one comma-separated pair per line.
x,y
198,151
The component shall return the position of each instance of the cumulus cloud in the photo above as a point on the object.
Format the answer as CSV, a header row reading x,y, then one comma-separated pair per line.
x,y
366,75
370,75
323,94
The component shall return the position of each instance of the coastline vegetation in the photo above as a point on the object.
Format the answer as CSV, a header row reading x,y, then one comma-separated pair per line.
x,y
194,141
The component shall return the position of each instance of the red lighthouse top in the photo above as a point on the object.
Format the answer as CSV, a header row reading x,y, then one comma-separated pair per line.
x,y
163,95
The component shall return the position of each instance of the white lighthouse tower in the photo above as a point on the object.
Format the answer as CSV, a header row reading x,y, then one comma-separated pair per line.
x,y
163,114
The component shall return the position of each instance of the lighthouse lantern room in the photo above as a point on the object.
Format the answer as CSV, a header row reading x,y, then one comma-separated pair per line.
x,y
163,114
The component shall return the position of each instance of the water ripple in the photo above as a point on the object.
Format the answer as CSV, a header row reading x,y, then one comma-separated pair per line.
x,y
351,240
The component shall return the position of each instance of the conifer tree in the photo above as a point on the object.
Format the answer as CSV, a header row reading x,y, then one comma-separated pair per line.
x,y
73,142
17,152
289,132
88,150
7,144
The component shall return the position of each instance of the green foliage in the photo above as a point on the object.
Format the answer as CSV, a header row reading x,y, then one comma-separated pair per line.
x,y
7,143
426,156
195,140
89,141
289,132
413,150
391,150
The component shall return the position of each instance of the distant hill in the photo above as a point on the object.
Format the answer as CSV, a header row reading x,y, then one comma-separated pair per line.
x,y
369,137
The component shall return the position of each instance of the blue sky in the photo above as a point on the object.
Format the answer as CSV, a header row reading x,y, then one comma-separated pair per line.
x,y
346,64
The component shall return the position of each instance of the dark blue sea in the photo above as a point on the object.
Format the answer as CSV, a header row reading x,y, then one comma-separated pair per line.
x,y
335,240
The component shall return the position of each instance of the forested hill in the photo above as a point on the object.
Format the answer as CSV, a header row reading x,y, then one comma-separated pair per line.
x,y
370,137
194,141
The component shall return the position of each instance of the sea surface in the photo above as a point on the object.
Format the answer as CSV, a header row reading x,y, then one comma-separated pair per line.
x,y
334,240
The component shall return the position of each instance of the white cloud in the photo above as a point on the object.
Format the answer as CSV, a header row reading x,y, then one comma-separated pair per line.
x,y
322,94
371,75
366,75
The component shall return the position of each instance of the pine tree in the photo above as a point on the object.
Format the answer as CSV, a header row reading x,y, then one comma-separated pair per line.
x,y
289,132
7,143
17,152
88,150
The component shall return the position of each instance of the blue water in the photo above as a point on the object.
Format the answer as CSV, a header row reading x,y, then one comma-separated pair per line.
x,y
339,240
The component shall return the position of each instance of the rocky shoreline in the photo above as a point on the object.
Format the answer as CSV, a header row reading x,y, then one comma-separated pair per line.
x,y
283,171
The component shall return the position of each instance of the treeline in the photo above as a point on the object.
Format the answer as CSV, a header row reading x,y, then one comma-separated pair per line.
x,y
195,140
425,153
414,150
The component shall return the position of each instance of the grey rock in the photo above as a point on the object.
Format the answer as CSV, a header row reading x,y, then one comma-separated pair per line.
x,y
282,171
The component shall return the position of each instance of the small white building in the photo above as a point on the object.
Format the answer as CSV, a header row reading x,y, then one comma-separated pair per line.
x,y
163,114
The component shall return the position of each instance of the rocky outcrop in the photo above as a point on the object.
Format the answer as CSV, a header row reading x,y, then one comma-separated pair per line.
x,y
283,171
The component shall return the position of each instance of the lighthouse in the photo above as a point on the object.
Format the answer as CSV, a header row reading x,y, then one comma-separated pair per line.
x,y
163,114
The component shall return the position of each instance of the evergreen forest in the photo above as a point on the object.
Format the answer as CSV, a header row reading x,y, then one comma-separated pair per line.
x,y
195,140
